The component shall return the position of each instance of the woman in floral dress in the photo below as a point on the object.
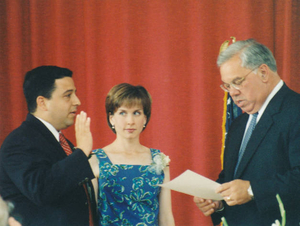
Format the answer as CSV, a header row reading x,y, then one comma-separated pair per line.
x,y
129,173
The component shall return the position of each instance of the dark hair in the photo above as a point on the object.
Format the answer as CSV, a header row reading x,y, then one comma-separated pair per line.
x,y
128,95
40,81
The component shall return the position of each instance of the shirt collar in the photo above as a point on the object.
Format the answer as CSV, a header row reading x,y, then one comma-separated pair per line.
x,y
269,98
51,128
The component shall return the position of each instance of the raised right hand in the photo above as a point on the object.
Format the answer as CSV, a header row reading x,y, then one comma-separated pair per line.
x,y
83,133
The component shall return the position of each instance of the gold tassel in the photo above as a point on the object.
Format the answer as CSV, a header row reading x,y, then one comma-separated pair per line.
x,y
224,46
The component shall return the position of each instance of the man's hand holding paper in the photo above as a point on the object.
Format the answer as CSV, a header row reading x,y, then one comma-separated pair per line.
x,y
235,192
208,206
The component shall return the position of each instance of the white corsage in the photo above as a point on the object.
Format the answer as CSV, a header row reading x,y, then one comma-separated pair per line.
x,y
160,161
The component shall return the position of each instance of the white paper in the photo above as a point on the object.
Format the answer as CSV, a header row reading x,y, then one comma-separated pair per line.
x,y
194,184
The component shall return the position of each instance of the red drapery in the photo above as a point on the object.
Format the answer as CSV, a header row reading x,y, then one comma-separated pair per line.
x,y
170,47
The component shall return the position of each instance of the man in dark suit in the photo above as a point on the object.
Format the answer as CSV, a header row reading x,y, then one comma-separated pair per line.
x,y
47,185
254,172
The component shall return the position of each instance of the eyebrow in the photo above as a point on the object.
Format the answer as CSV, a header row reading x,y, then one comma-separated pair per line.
x,y
69,91
237,78
122,109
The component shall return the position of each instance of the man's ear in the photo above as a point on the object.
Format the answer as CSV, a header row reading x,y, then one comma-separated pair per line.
x,y
264,72
41,103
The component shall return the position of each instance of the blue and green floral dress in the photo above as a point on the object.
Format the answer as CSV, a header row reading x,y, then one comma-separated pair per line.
x,y
128,194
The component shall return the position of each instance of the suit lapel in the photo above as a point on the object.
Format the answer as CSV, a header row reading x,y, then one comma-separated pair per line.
x,y
257,136
46,133
233,146
261,129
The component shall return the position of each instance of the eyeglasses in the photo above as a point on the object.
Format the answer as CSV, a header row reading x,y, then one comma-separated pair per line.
x,y
236,83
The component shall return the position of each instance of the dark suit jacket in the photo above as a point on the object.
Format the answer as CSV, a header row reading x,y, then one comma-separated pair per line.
x,y
44,184
271,163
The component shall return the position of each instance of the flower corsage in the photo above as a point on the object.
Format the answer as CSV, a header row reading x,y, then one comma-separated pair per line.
x,y
159,163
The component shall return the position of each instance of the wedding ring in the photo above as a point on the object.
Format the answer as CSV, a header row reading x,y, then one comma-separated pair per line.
x,y
228,198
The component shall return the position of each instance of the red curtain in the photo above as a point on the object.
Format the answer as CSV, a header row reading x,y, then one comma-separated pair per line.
x,y
168,46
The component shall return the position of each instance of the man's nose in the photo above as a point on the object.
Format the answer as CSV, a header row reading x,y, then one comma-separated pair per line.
x,y
233,91
76,100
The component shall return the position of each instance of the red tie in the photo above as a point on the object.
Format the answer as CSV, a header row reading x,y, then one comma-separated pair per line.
x,y
65,145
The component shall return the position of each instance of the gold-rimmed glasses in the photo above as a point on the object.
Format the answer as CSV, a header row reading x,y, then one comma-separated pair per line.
x,y
237,82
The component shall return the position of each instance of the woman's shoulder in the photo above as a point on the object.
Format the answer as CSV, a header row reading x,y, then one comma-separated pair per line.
x,y
155,151
99,152
105,149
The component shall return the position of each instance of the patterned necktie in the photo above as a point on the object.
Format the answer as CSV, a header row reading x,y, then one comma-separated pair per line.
x,y
246,139
65,145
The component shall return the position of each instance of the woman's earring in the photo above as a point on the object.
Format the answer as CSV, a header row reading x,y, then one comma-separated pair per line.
x,y
112,126
144,125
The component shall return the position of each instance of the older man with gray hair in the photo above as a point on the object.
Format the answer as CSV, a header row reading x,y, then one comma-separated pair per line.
x,y
262,148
